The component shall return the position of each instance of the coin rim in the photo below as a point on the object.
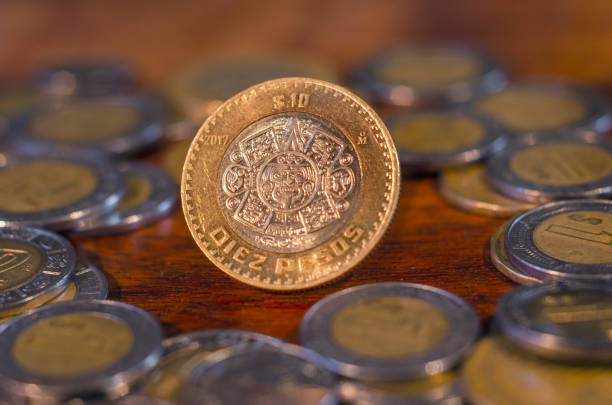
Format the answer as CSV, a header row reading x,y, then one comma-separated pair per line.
x,y
505,267
91,284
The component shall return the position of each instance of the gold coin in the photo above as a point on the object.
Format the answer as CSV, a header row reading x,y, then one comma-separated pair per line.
x,y
532,109
500,373
290,184
501,261
139,188
174,156
467,188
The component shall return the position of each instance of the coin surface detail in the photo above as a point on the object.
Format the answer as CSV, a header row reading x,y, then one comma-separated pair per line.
x,y
290,183
20,261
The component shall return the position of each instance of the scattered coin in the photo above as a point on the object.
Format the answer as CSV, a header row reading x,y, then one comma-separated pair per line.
x,y
88,283
500,373
13,101
69,349
182,353
290,184
433,140
566,240
502,262
390,331
429,75
553,170
467,187
150,196
285,374
540,107
56,189
174,156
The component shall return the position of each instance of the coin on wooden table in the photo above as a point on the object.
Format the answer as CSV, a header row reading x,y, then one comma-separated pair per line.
x,y
529,107
501,373
468,188
56,189
173,157
77,348
117,125
390,331
182,353
285,374
553,170
150,196
502,262
435,139
290,184
429,75
565,240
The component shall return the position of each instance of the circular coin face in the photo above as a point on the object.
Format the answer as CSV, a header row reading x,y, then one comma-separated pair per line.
x,y
498,372
502,262
563,240
51,348
390,331
290,184
553,170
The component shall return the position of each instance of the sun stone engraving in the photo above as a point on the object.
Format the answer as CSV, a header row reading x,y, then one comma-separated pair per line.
x,y
289,181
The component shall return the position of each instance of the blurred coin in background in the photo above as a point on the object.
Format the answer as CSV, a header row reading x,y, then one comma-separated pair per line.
x,y
501,261
173,157
14,100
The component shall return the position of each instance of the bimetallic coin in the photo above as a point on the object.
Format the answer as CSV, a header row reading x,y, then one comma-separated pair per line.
x,y
565,240
502,262
553,170
435,139
525,108
174,156
290,184
33,262
285,374
468,188
182,353
390,331
117,125
429,75
150,196
88,283
500,373
56,188
76,348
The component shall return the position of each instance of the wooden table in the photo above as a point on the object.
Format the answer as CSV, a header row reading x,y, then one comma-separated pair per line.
x,y
160,269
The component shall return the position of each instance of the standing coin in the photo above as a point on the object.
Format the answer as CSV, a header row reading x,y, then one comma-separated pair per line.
x,y
468,188
290,184
500,373
566,240
77,348
390,331
553,170
502,262
174,156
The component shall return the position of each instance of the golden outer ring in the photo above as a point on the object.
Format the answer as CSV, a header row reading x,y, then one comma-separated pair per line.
x,y
379,188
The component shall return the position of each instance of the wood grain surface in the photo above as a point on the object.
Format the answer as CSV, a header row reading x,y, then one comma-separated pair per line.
x,y
160,268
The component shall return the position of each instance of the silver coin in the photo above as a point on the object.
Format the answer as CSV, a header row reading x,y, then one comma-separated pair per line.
x,y
425,76
436,139
77,348
559,320
552,170
33,262
150,196
285,374
90,283
564,240
116,125
94,187
390,331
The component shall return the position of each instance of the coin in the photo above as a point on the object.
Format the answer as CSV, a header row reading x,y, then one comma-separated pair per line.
x,y
429,75
500,373
85,78
467,187
33,263
197,91
540,107
174,156
182,353
434,139
502,262
117,125
76,348
390,331
283,374
290,184
13,101
568,240
56,188
150,196
553,170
